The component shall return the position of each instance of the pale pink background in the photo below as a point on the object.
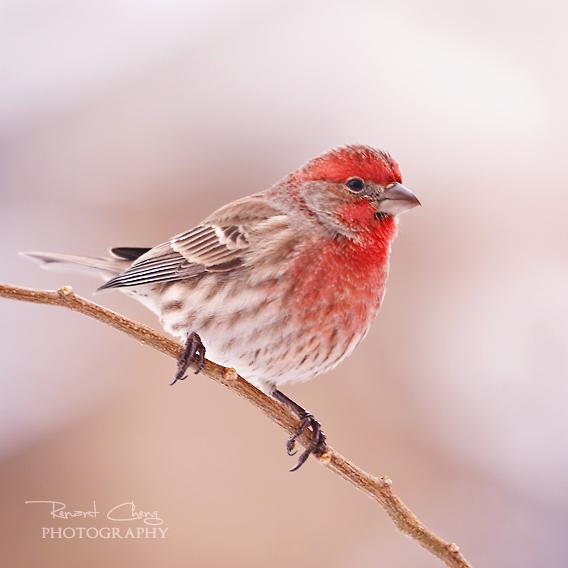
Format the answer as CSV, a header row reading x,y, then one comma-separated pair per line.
x,y
126,122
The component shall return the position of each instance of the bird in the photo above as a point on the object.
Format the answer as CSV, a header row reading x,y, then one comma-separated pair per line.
x,y
281,285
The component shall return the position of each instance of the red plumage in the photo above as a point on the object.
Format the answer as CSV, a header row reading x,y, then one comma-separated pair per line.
x,y
367,163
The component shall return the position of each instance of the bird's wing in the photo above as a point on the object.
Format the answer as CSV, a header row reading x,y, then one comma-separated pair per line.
x,y
219,244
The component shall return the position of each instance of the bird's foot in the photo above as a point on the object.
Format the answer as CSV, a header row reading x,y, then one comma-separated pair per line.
x,y
193,349
317,444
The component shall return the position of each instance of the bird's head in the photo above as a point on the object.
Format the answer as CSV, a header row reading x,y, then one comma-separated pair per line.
x,y
352,188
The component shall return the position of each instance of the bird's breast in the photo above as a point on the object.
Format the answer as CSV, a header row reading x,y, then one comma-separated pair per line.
x,y
291,325
342,276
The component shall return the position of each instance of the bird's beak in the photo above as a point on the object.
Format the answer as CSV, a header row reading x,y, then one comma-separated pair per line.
x,y
396,199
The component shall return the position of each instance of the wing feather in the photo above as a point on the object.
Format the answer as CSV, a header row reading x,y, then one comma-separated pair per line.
x,y
221,243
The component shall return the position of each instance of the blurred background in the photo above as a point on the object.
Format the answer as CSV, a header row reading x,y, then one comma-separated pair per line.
x,y
126,122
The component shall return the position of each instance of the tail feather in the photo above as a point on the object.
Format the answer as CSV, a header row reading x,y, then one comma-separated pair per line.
x,y
129,253
107,267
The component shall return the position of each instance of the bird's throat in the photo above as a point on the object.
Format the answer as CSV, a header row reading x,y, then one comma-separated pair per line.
x,y
349,274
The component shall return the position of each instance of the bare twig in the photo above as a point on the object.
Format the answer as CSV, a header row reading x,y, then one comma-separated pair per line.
x,y
378,488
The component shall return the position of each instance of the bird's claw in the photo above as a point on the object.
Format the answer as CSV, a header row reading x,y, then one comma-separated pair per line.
x,y
291,446
316,446
291,443
193,349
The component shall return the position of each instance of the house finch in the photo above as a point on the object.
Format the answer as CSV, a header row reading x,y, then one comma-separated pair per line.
x,y
281,285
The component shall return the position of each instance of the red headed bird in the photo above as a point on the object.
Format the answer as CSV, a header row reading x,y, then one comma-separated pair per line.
x,y
281,285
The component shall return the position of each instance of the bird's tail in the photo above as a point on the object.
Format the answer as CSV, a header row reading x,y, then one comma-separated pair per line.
x,y
106,267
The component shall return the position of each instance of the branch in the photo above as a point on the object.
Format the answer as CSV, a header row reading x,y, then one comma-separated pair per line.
x,y
378,488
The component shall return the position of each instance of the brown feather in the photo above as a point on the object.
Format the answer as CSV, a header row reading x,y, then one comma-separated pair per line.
x,y
221,243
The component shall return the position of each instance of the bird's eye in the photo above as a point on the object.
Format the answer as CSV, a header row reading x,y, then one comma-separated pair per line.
x,y
355,184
